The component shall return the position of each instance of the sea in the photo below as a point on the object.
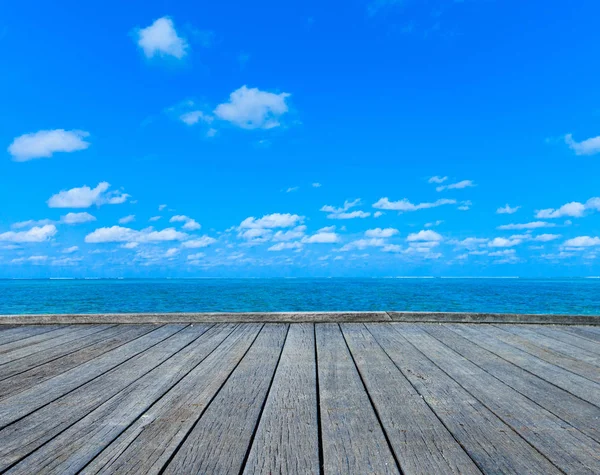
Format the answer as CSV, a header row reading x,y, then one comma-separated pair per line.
x,y
503,295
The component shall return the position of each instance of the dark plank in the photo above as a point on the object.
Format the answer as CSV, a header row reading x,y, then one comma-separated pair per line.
x,y
560,333
420,441
23,403
19,332
151,440
287,438
571,409
72,449
557,358
568,449
105,341
489,337
29,433
492,444
352,437
9,348
48,349
221,438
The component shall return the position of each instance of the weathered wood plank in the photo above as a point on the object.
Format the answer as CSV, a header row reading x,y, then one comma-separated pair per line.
x,y
539,338
489,337
557,358
19,332
568,449
559,333
72,449
470,317
492,444
148,444
420,441
70,337
221,438
287,438
29,433
32,341
352,437
590,333
19,405
104,342
571,409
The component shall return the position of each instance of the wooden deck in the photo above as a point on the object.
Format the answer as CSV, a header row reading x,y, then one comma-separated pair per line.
x,y
300,398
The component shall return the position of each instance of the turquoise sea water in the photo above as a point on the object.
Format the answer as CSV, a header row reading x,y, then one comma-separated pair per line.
x,y
573,296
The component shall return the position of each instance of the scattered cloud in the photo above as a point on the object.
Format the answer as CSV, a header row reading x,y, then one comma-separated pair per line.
x,y
321,237
582,241
70,250
127,219
456,186
197,243
77,218
503,242
295,233
35,234
425,235
30,259
532,225
433,224
573,209
161,207
270,221
195,116
381,233
404,205
45,143
316,185
154,218
85,197
161,39
343,213
507,209
363,244
292,189
251,108
282,246
590,146
123,234
190,224
437,179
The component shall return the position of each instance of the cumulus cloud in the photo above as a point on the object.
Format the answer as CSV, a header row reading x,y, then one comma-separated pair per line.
x,y
269,221
35,234
437,179
573,209
31,259
70,250
189,223
316,185
161,39
31,222
127,219
404,205
435,223
456,186
507,209
292,234
84,197
363,244
195,116
251,108
582,241
590,146
321,237
546,237
203,241
282,246
425,235
122,234
381,233
343,213
531,225
77,218
44,143
503,242
470,243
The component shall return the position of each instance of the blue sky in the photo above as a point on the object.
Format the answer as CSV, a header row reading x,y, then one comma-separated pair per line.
x,y
361,138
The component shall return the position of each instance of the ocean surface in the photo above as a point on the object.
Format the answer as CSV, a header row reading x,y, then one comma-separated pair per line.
x,y
558,296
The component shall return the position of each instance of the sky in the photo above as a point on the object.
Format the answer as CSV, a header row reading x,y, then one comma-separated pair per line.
x,y
365,138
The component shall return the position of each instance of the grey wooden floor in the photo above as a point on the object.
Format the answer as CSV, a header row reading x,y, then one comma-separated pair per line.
x,y
349,398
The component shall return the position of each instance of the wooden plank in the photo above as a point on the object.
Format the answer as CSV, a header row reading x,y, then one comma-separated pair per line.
x,y
18,332
557,358
105,342
72,449
559,333
420,441
71,336
287,438
221,438
590,333
571,409
568,449
492,444
29,433
152,439
33,340
352,437
470,317
489,337
23,403
553,344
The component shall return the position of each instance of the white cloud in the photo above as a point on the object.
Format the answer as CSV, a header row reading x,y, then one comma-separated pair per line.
x,y
324,237
85,197
437,179
31,222
203,241
582,241
532,225
77,218
130,245
503,242
195,257
504,253
425,235
122,234
190,224
316,185
546,237
381,233
35,234
193,117
465,205
590,146
435,223
154,218
161,207
172,252
405,205
269,221
32,259
65,261
573,209
296,233
127,219
456,186
70,250
363,244
342,213
281,246
44,143
161,39
470,243
507,209
253,108
292,189
377,214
